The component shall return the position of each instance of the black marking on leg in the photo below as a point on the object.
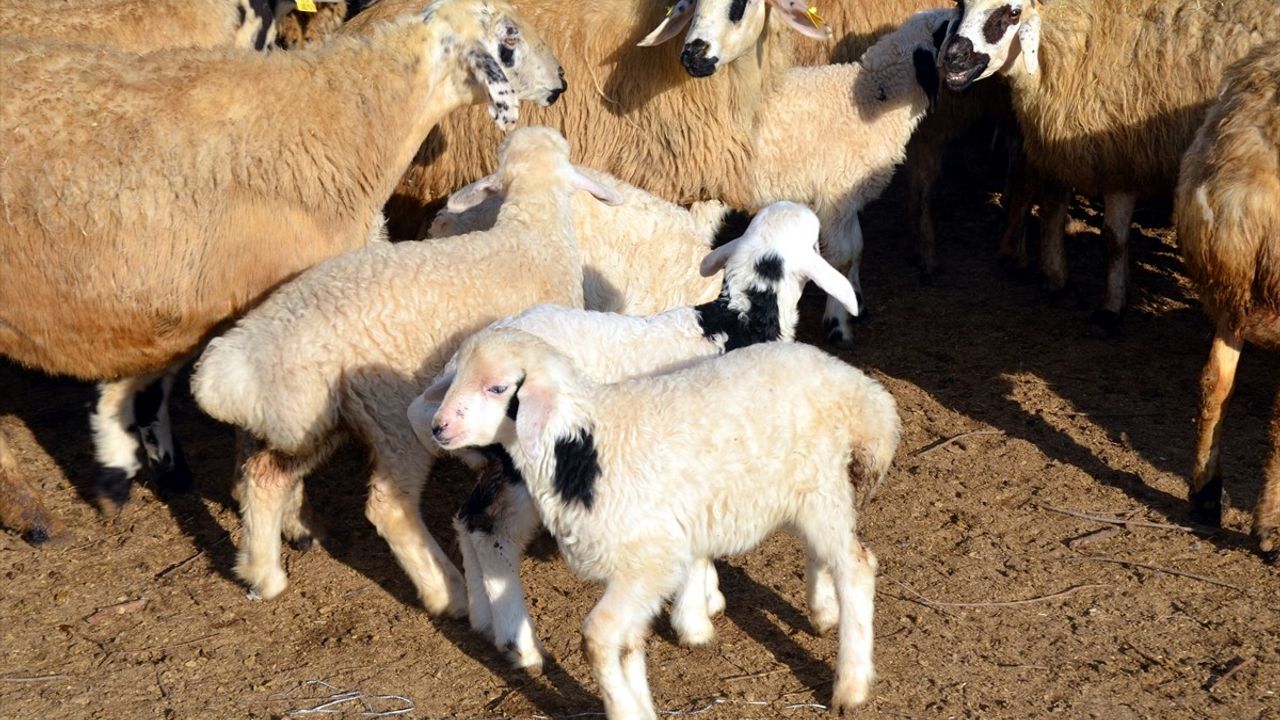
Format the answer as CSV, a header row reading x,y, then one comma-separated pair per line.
x,y
1206,503
507,55
577,468
732,226
112,484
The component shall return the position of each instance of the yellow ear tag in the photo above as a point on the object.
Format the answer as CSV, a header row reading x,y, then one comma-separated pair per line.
x,y
670,9
305,5
814,17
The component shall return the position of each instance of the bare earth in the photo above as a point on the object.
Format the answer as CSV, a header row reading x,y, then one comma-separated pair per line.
x,y
968,545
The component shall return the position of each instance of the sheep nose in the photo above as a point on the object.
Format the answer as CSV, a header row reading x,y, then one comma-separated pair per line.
x,y
695,60
959,54
438,429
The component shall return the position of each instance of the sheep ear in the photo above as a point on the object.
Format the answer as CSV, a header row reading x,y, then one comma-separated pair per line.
x,y
678,16
435,392
715,260
473,194
831,282
537,401
803,18
603,193
1029,38
503,106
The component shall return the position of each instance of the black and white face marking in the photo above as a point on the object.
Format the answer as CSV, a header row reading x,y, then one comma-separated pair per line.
x,y
256,27
530,68
733,224
720,32
577,468
982,41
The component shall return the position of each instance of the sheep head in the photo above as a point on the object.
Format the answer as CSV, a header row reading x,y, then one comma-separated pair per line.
x,y
721,31
989,37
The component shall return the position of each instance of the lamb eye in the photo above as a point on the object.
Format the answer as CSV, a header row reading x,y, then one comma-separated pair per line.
x,y
1015,13
497,389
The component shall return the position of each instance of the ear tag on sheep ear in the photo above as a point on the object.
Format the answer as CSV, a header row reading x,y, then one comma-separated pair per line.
x,y
305,5
814,17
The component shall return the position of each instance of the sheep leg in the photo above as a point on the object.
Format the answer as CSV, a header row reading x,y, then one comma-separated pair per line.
x,y
298,523
923,166
1118,212
715,599
1216,383
1266,514
1019,196
1053,227
155,428
115,445
268,480
20,506
691,609
609,630
633,667
844,248
824,608
496,524
479,610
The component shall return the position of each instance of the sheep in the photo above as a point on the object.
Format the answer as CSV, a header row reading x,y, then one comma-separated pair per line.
x,y
301,27
764,272
1119,134
343,349
639,479
639,258
1227,211
137,26
213,181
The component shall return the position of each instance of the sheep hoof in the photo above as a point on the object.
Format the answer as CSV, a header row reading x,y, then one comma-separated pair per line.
x,y
696,634
1206,504
174,481
1104,323
824,618
302,543
529,659
112,486
849,694
715,603
1268,543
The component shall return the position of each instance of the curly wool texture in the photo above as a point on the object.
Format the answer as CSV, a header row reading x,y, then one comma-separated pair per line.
x,y
1228,199
299,28
1124,85
146,199
143,25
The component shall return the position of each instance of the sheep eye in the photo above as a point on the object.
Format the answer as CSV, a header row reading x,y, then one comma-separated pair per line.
x,y
1015,13
497,389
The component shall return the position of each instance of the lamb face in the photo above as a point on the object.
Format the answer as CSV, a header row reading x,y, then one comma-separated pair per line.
x,y
988,37
480,406
721,31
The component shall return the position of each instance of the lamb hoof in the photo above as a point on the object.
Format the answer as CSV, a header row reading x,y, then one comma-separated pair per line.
x,y
849,694
112,486
696,634
1104,324
1268,543
1206,504
302,543
529,659
715,603
824,618
269,588
451,604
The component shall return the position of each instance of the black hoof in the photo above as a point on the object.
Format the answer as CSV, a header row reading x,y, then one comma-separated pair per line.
x,y
36,536
1206,504
1270,557
112,486
303,544
1104,323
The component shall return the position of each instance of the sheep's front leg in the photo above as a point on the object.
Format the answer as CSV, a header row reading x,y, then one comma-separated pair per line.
x,y
1216,383
155,428
842,245
115,446
20,506
691,611
609,630
1266,515
1118,211
495,525
1054,202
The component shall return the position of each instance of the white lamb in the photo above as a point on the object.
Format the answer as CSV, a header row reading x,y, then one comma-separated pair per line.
x,y
347,345
641,479
764,273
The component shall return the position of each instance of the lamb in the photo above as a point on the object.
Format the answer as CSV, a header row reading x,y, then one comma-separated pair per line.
x,y
343,349
764,272
219,171
137,26
1085,125
1228,221
640,479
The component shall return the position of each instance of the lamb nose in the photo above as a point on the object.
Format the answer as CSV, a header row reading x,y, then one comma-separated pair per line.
x,y
438,430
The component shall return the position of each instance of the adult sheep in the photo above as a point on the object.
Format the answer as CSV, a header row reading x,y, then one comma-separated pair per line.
x,y
1088,125
1228,220
145,25
149,198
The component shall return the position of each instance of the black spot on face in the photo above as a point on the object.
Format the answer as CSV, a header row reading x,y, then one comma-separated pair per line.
x,y
998,23
577,469
736,10
695,61
732,225
757,324
769,267
513,405
507,55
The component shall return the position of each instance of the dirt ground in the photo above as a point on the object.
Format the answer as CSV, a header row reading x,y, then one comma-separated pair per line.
x,y
983,608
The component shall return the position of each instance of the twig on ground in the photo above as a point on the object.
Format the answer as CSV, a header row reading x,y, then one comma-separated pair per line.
x,y
154,648
939,444
1117,521
331,704
178,565
752,676
112,611
37,678
997,603
1213,683
1098,535
1157,568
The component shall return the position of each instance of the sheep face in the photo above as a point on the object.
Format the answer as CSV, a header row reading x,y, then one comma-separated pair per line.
x,y
721,31
989,37
508,60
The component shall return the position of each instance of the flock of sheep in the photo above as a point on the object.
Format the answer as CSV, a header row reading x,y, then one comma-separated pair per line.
x,y
587,315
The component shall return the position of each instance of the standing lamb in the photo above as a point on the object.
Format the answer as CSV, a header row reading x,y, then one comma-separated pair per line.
x,y
145,25
1087,125
178,148
764,273
343,349
1228,220
639,480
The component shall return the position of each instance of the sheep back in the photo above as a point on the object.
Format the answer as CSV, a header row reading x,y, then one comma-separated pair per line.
x,y
143,25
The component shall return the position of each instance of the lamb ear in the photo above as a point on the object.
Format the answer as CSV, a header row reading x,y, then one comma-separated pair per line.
x,y
803,18
435,392
536,404
1029,39
715,260
504,108
603,193
831,282
473,194
678,16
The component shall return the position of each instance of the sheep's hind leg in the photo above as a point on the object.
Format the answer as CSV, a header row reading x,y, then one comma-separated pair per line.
x,y
691,609
155,428
496,524
824,608
269,478
608,634
115,445
1266,515
1117,212
844,247
1216,383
